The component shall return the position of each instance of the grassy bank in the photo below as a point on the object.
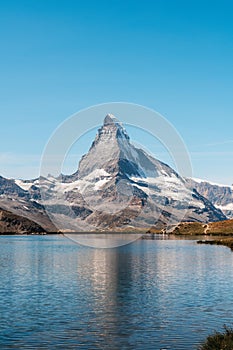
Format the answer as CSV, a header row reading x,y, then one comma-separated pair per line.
x,y
220,228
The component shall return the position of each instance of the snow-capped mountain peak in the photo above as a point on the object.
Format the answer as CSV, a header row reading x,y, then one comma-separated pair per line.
x,y
110,119
117,185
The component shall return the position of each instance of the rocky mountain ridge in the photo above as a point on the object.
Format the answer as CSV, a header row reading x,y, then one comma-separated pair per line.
x,y
220,195
115,186
118,185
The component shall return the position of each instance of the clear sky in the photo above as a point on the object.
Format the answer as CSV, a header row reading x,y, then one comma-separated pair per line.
x,y
59,56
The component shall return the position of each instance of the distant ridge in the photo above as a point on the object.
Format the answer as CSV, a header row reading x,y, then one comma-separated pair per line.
x,y
220,195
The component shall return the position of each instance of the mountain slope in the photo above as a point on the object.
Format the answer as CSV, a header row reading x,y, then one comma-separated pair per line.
x,y
23,198
11,223
118,185
220,195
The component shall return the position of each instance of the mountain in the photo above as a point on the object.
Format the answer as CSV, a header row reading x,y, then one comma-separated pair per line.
x,y
117,186
220,195
22,198
11,223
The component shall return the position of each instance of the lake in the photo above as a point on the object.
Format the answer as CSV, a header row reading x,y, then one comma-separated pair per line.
x,y
150,294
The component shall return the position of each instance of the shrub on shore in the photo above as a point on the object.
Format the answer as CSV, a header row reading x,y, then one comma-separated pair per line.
x,y
219,340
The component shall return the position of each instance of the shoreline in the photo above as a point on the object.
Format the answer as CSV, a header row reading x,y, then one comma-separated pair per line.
x,y
227,242
222,240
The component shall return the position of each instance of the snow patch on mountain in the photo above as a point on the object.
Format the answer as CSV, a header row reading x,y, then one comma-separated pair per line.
x,y
227,207
24,185
170,187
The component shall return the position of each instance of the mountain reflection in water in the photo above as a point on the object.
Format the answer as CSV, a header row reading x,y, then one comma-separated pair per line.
x,y
168,294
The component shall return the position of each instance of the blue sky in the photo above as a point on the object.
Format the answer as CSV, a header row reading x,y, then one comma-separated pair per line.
x,y
58,57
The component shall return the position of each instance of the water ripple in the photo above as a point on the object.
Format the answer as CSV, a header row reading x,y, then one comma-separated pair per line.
x,y
161,294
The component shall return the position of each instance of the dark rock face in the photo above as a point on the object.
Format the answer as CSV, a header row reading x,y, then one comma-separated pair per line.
x,y
215,214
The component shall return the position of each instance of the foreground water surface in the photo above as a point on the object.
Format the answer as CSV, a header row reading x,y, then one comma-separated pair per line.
x,y
160,294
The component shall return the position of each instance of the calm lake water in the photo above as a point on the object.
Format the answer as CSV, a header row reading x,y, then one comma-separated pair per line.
x,y
160,294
